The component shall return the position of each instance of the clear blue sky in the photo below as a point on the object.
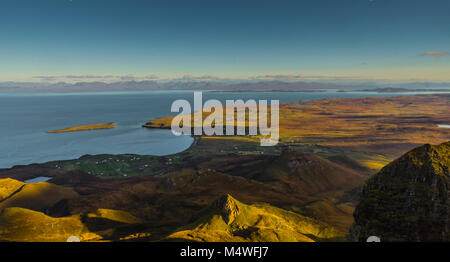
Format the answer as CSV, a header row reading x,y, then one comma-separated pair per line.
x,y
378,39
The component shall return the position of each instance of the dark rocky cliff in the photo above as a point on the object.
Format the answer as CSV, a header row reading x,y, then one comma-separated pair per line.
x,y
408,200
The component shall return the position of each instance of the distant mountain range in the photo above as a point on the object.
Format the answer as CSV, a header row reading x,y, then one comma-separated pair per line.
x,y
215,85
400,90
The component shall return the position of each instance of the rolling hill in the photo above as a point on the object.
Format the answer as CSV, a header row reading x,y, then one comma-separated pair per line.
x,y
35,196
227,219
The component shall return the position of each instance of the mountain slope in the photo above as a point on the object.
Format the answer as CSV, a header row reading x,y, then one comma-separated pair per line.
x,y
19,224
230,220
293,181
24,225
175,196
408,200
36,196
8,187
292,171
310,174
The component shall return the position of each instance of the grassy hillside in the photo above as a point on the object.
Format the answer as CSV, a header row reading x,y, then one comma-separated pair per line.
x,y
19,224
227,219
36,196
24,225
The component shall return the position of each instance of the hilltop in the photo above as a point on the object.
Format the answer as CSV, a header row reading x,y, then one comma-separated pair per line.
x,y
408,200
25,225
227,219
36,196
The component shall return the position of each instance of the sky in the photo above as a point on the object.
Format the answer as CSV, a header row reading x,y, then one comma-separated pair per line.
x,y
102,40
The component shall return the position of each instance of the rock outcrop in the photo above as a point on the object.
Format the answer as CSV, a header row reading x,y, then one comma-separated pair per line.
x,y
408,200
227,219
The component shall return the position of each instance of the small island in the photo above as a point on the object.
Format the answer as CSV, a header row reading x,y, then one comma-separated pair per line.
x,y
85,128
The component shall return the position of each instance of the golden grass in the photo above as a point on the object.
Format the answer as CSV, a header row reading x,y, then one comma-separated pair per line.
x,y
34,196
85,128
374,165
8,186
24,225
387,126
114,215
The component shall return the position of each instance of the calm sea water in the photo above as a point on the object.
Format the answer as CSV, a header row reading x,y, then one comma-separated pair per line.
x,y
25,118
